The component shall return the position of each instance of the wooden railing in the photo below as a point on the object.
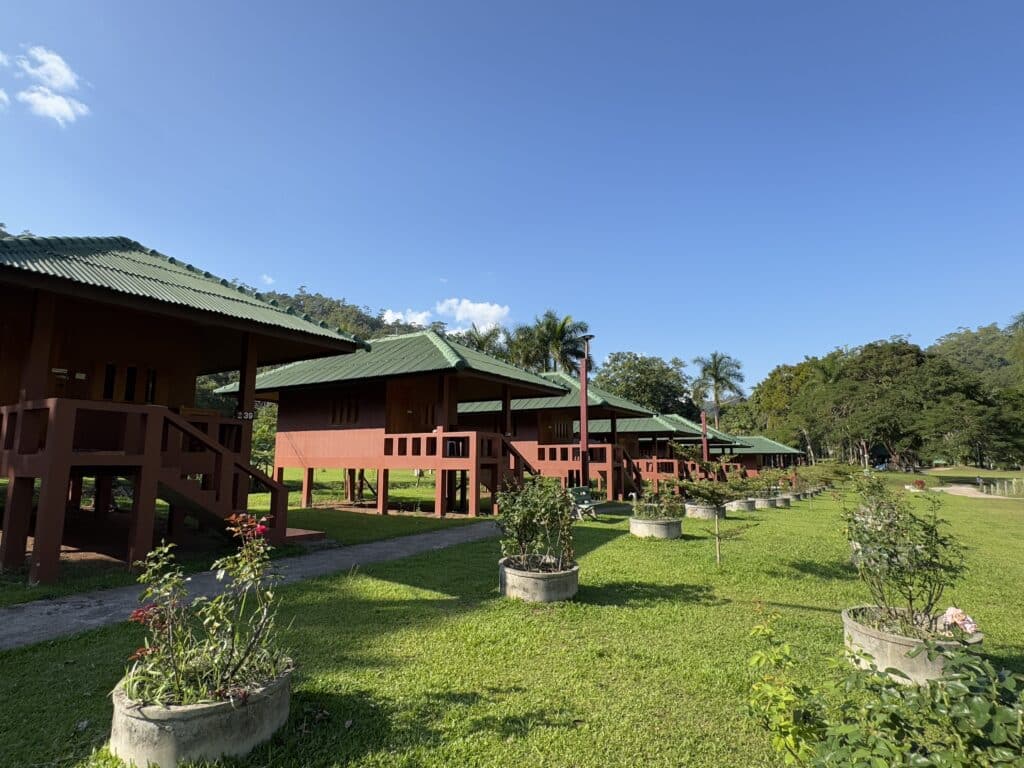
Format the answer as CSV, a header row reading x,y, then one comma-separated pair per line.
x,y
195,468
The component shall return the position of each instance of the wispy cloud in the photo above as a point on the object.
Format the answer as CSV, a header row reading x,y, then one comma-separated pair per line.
x,y
49,68
266,279
410,316
482,314
45,103
4,59
54,78
4,99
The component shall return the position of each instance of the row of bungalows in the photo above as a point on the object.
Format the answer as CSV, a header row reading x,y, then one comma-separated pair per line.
x,y
755,452
397,407
101,343
422,401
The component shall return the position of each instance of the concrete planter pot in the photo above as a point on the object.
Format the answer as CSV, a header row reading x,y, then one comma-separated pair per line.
x,y
740,505
702,511
670,528
890,650
764,503
535,586
784,502
166,736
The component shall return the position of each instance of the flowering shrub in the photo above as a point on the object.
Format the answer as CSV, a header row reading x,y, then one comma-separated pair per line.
x,y
209,649
905,558
536,521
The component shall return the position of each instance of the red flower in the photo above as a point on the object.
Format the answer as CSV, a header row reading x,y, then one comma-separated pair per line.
x,y
142,652
144,614
261,530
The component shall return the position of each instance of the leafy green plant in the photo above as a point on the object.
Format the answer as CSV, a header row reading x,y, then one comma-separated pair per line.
x,y
209,649
536,520
906,558
662,507
862,718
706,492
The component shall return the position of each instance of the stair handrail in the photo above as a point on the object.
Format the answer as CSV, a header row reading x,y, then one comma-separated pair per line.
x,y
513,451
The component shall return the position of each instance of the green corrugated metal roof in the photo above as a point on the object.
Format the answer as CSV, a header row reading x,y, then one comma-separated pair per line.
x,y
756,444
126,267
712,432
677,427
420,352
596,397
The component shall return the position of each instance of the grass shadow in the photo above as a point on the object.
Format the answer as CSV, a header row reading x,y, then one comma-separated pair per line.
x,y
633,594
834,570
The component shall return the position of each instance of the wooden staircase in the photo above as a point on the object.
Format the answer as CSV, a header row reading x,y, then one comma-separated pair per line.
x,y
201,476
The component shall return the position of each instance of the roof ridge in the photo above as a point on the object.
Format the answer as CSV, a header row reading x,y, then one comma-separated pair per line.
x,y
446,349
46,242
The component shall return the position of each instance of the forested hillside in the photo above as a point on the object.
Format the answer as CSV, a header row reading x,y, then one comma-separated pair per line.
x,y
959,400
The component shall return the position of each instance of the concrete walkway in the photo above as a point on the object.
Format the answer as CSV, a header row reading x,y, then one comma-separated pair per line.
x,y
40,620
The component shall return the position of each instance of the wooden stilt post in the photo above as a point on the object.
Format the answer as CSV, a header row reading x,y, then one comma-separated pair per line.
x,y
17,517
440,500
49,530
75,493
140,539
103,497
382,491
175,523
307,487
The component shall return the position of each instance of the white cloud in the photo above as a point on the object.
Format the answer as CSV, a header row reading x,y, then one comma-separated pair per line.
x,y
4,99
266,279
49,68
45,103
410,316
482,314
4,59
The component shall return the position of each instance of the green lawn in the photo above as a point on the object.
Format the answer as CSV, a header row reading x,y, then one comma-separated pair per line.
x,y
952,474
419,663
344,526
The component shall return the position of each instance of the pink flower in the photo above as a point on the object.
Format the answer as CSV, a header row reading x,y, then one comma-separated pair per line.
x,y
261,530
954,617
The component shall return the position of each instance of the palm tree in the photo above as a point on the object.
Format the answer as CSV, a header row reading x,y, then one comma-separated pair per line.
x,y
561,338
722,374
552,343
490,341
524,348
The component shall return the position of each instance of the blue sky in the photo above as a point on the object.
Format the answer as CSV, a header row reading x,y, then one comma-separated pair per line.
x,y
766,179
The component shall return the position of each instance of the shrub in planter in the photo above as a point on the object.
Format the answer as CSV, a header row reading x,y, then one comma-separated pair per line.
x,y
907,559
740,491
705,498
538,562
861,717
658,517
210,678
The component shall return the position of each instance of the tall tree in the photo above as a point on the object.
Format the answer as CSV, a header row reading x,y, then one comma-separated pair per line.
x,y
653,382
490,341
723,375
551,343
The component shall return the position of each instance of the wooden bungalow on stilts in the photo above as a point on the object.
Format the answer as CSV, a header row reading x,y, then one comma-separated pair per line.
x,y
397,407
755,453
544,431
101,341
651,441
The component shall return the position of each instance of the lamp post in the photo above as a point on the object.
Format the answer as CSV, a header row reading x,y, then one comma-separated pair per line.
x,y
584,417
